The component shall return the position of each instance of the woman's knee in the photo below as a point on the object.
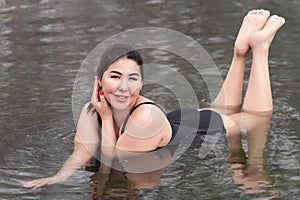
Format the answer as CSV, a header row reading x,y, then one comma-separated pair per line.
x,y
266,114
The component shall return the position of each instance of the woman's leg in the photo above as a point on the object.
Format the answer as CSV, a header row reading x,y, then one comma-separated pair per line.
x,y
230,96
258,97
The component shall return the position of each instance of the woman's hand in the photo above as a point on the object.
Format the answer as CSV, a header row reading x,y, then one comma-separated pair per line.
x,y
99,102
42,181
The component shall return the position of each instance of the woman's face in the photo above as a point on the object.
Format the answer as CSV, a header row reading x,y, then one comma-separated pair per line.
x,y
122,83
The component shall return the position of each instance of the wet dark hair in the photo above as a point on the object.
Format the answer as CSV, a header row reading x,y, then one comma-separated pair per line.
x,y
115,52
112,54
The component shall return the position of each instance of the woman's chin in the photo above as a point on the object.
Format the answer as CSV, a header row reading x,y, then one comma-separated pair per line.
x,y
117,105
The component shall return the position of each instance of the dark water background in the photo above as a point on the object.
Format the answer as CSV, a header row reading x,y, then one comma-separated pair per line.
x,y
43,44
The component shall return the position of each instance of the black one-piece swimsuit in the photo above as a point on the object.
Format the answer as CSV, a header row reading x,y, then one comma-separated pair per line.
x,y
186,121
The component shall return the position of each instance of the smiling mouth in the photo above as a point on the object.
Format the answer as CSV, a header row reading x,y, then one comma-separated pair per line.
x,y
121,98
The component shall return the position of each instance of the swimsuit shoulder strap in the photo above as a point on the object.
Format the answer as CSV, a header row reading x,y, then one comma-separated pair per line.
x,y
133,109
99,119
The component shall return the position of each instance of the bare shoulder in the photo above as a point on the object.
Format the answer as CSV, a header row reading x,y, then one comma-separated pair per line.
x,y
148,118
146,129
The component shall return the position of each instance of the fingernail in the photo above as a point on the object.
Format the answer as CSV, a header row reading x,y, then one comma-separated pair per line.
x,y
101,92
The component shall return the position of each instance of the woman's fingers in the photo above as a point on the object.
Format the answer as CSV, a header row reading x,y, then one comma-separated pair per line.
x,y
95,96
104,107
95,91
31,183
36,183
101,96
104,103
40,182
98,100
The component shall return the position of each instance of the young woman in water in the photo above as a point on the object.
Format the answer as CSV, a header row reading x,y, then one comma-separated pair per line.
x,y
133,123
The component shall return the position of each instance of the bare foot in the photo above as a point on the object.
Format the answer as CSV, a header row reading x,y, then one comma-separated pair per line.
x,y
264,37
254,21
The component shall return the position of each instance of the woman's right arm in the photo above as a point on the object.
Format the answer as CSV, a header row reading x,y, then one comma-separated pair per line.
x,y
86,143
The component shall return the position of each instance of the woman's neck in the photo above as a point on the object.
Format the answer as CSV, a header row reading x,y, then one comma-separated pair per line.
x,y
120,115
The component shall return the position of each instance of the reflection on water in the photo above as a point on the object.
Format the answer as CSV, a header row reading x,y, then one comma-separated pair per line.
x,y
114,185
248,170
42,45
110,183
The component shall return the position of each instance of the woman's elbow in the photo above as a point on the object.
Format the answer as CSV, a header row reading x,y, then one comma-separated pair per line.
x,y
85,151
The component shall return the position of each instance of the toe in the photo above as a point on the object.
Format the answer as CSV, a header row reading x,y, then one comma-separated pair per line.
x,y
274,23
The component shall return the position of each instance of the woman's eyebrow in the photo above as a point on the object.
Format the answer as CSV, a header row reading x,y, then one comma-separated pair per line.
x,y
116,72
119,73
134,74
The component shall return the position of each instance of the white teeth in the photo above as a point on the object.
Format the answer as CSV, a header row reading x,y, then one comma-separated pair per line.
x,y
121,97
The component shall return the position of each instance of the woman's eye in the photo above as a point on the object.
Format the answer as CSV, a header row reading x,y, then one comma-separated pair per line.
x,y
115,77
133,79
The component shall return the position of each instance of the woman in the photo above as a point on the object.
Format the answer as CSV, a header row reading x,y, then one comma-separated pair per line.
x,y
131,122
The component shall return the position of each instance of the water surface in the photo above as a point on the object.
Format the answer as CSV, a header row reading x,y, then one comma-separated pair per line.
x,y
43,44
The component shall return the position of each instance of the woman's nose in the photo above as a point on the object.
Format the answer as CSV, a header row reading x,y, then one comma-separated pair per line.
x,y
123,85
